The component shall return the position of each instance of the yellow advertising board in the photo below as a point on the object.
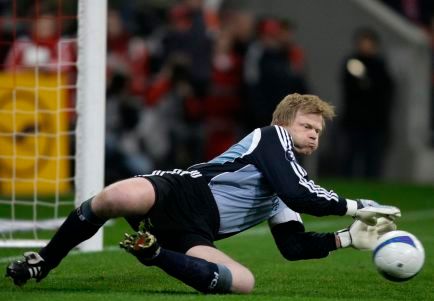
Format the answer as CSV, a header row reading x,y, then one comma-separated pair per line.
x,y
34,140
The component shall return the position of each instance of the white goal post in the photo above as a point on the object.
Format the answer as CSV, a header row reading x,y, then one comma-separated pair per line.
x,y
89,138
92,35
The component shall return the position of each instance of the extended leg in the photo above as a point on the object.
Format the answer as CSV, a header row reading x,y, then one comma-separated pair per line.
x,y
81,224
204,268
132,196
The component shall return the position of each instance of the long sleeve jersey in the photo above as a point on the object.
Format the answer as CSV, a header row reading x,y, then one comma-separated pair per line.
x,y
258,177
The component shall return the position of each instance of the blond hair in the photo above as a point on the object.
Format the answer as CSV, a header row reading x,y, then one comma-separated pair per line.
x,y
285,112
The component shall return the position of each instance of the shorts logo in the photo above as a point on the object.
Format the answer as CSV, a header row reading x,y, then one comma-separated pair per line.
x,y
193,173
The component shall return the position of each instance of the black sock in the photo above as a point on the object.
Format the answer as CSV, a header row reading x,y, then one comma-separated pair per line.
x,y
202,275
80,225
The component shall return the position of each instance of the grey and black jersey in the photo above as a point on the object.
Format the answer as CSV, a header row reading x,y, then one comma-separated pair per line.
x,y
258,177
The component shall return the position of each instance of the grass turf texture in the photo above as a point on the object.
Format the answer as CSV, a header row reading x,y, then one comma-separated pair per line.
x,y
344,275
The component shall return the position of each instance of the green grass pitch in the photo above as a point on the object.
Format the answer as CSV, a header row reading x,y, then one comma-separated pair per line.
x,y
344,275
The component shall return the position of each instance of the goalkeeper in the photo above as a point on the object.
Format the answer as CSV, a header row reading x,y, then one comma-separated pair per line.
x,y
177,215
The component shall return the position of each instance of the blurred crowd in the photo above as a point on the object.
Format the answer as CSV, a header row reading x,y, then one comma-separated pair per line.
x,y
187,80
184,81
190,81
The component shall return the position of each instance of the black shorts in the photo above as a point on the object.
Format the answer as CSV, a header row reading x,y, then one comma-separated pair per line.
x,y
185,213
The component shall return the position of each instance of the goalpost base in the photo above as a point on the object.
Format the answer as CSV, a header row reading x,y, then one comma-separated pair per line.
x,y
22,243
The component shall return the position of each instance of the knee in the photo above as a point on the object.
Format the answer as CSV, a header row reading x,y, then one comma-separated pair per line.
x,y
249,283
243,283
232,279
105,203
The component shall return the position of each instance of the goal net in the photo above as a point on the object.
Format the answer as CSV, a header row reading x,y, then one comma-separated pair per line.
x,y
52,108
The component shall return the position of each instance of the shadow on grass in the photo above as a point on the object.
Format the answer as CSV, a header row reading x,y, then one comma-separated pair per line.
x,y
98,286
109,290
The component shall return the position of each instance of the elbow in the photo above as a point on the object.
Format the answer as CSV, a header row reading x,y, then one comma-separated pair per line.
x,y
292,254
295,256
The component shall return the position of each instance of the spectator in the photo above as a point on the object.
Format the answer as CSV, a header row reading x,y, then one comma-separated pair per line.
x,y
43,48
240,25
268,72
125,155
223,103
367,90
178,140
295,52
127,78
188,36
127,56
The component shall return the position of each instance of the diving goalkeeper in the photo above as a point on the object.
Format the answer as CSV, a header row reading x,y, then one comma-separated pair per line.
x,y
178,215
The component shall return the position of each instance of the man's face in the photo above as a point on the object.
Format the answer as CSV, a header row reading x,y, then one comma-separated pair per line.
x,y
305,131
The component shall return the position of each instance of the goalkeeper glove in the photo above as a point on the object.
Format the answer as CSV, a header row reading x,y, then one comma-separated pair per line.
x,y
368,211
362,236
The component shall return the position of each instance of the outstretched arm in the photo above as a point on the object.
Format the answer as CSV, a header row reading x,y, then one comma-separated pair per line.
x,y
296,244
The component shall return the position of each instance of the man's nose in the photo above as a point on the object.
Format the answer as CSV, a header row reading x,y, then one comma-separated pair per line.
x,y
313,135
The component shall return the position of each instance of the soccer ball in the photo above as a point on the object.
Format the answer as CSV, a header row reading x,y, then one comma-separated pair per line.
x,y
398,256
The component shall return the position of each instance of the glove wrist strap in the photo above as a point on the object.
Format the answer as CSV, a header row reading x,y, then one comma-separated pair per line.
x,y
344,238
352,207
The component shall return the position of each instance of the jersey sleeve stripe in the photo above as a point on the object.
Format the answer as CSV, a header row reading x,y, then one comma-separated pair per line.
x,y
319,191
300,169
287,138
282,142
283,137
255,141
